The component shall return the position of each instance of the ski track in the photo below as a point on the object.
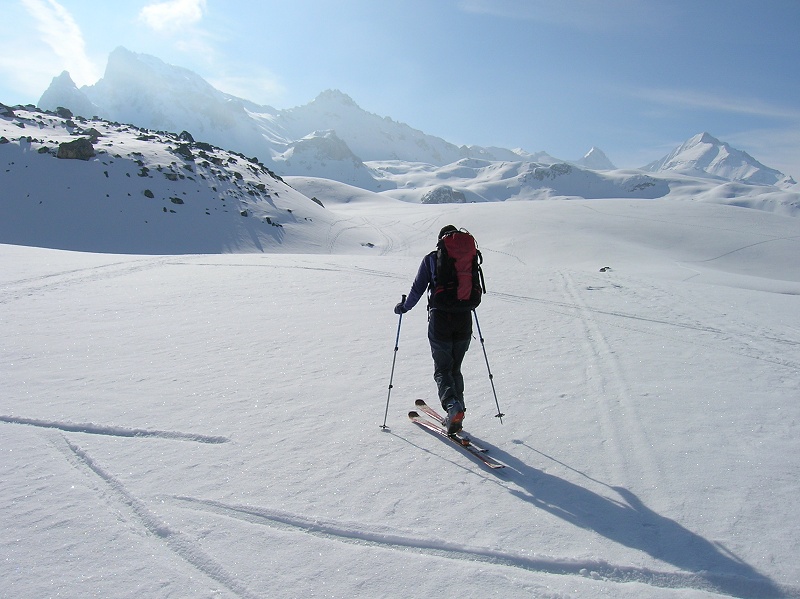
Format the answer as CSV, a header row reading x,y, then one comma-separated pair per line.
x,y
24,288
337,229
388,539
332,267
172,539
608,385
379,273
292,267
113,431
744,247
744,342
507,254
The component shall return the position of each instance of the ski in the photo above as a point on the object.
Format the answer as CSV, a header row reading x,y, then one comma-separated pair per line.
x,y
420,403
467,446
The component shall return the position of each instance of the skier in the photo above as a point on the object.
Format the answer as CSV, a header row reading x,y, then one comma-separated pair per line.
x,y
449,334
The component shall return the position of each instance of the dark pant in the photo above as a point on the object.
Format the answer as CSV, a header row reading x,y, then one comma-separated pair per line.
x,y
449,334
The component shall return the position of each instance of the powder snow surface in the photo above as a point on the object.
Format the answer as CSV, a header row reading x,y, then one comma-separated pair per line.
x,y
207,425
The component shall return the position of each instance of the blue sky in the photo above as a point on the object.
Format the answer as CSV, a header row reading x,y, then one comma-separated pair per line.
x,y
632,77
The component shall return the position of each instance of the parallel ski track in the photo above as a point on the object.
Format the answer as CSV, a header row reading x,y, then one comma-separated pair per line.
x,y
618,416
741,343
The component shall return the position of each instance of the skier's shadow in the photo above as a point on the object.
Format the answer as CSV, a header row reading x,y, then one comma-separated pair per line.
x,y
628,521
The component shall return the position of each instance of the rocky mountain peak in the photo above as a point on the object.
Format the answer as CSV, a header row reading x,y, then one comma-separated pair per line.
x,y
334,96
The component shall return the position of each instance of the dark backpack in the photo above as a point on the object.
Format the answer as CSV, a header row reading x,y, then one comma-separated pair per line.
x,y
458,285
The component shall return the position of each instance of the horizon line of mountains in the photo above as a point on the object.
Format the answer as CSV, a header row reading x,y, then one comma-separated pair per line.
x,y
332,137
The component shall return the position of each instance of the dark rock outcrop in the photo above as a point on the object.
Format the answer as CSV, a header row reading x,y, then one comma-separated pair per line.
x,y
80,149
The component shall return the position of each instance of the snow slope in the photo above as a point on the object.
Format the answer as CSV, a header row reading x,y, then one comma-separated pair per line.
x,y
207,425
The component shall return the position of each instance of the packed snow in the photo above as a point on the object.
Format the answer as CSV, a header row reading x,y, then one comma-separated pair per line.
x,y
203,419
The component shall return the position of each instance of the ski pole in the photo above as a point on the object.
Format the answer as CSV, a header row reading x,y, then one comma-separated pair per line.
x,y
394,359
491,376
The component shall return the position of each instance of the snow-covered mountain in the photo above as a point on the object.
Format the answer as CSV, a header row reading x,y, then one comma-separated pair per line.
x,y
595,159
143,90
141,191
324,154
369,136
64,93
332,137
705,155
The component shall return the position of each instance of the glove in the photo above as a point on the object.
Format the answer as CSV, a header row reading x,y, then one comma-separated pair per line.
x,y
400,308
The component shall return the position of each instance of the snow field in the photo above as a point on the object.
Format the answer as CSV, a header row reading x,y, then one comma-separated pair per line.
x,y
208,425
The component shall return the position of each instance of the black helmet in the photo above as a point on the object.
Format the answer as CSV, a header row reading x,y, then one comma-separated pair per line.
x,y
446,230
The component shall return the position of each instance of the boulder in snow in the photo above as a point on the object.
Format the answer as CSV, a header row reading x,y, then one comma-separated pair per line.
x,y
80,149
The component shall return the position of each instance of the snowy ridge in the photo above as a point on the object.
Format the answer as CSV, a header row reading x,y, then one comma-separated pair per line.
x,y
488,181
141,89
327,156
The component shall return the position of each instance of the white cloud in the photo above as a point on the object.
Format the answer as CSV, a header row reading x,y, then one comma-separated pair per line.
x,y
64,37
23,83
259,86
580,14
173,14
721,103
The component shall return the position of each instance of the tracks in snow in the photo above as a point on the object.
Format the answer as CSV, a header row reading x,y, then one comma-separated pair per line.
x,y
369,229
113,431
764,345
25,288
609,388
138,511
393,540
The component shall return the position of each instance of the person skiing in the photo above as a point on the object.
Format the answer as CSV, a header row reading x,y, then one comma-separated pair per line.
x,y
449,334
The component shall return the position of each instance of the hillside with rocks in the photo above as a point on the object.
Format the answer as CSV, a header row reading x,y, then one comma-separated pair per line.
x,y
93,185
